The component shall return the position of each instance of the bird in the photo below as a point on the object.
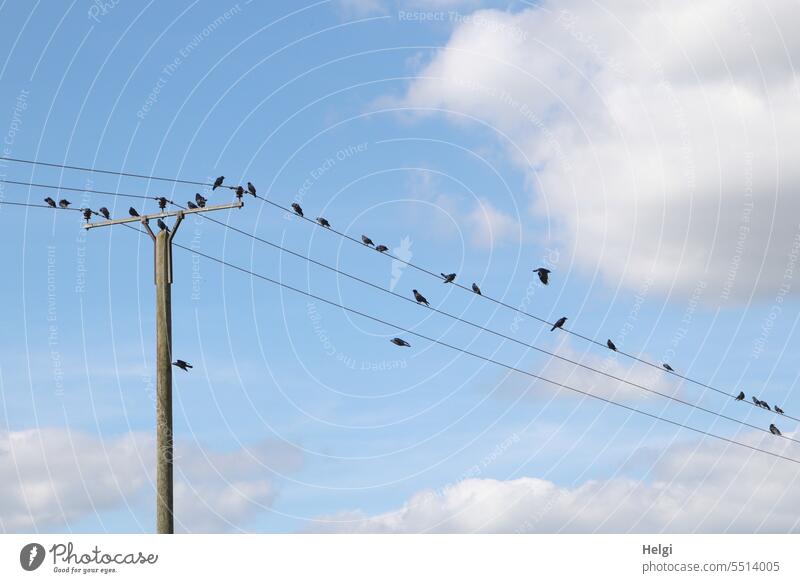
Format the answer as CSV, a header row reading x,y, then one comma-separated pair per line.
x,y
559,323
400,342
50,202
87,214
420,298
324,222
251,189
64,203
367,241
297,209
476,289
779,410
105,213
132,212
774,430
182,364
200,199
162,202
611,345
740,396
191,205
766,405
381,248
162,225
668,367
543,274
239,191
756,402
449,277
218,182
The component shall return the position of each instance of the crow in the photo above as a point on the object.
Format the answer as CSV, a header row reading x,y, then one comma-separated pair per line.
x,y
774,430
218,183
191,205
668,367
367,241
449,278
200,199
476,289
297,209
251,189
543,274
105,213
87,214
64,203
381,248
239,191
50,202
324,222
740,396
756,402
766,405
420,298
162,202
182,364
779,410
559,323
162,225
400,342
132,212
611,345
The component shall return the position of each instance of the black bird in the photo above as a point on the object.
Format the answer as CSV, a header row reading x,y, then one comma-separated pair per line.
x,y
611,345
251,189
367,241
87,214
668,367
774,430
779,410
740,396
239,191
132,212
420,298
476,289
162,225
297,209
400,342
381,248
50,202
543,274
559,323
182,364
218,183
162,202
191,205
200,199
449,277
756,402
766,406
105,213
64,203
324,222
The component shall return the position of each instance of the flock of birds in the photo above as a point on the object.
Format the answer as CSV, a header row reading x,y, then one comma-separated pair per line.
x,y
200,202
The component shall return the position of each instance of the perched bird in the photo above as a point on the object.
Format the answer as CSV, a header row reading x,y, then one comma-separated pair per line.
x,y
756,402
766,405
381,248
740,396
191,205
420,298
779,410
559,323
162,202
105,213
132,212
297,209
239,191
200,199
64,203
87,214
449,277
324,222
774,430
50,202
162,225
218,182
611,345
668,367
367,241
182,364
400,342
476,289
543,274
251,189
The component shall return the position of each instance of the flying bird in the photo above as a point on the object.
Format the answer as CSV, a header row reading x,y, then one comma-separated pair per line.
x,y
105,213
50,202
132,212
449,277
367,241
381,248
218,182
543,274
668,367
297,209
64,203
239,191
559,323
162,225
740,396
251,189
779,410
420,298
200,199
400,342
611,345
476,289
324,222
191,205
182,364
774,430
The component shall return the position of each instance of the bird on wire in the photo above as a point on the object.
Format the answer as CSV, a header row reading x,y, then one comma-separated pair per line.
x,y
239,191
191,205
200,200
611,345
774,430
400,342
251,189
779,410
476,289
162,202
367,241
381,248
297,209
740,396
64,203
449,277
324,222
668,367
182,364
420,298
105,213
132,212
50,202
559,323
544,274
218,182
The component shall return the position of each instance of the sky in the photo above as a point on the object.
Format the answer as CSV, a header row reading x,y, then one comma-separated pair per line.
x,y
644,152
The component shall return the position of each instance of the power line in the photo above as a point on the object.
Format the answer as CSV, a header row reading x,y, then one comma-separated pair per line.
x,y
42,206
76,189
481,357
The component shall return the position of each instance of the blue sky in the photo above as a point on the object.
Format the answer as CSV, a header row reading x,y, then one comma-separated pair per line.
x,y
297,412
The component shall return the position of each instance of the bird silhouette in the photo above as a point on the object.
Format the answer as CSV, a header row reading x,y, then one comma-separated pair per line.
x,y
105,213
476,289
132,212
200,199
251,189
162,202
297,209
324,222
87,214
50,202
766,405
774,430
559,323
779,410
218,182
191,205
543,274
668,367
756,402
239,191
449,277
367,241
420,298
381,248
162,225
64,203
611,345
182,364
740,396
400,342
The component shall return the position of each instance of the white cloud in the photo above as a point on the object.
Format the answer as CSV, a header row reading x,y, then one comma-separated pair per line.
x,y
659,137
708,487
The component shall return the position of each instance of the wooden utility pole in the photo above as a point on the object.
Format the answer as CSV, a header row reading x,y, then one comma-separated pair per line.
x,y
165,519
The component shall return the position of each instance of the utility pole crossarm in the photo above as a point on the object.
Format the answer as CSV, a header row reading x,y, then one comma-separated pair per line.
x,y
161,215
